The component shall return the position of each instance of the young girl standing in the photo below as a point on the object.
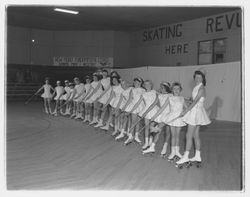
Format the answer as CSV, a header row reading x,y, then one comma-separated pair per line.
x,y
149,98
161,109
123,100
104,98
113,101
80,90
65,97
87,88
195,116
59,90
134,97
94,92
173,119
47,96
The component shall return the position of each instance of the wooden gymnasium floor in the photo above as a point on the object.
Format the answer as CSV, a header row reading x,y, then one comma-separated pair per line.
x,y
48,153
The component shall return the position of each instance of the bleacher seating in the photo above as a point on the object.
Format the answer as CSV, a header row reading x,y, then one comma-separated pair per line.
x,y
21,91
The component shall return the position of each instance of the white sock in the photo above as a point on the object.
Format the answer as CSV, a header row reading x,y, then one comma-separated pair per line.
x,y
186,154
152,145
150,140
197,154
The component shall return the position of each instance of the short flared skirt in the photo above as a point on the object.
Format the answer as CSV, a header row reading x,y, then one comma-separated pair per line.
x,y
57,97
105,97
64,97
114,102
170,119
94,97
46,95
150,114
79,99
137,110
197,116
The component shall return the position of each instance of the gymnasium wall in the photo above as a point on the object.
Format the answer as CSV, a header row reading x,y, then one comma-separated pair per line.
x,y
47,44
223,89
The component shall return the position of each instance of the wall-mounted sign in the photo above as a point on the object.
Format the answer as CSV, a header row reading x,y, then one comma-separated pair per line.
x,y
83,61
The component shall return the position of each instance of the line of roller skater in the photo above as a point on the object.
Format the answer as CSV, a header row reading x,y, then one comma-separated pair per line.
x,y
133,109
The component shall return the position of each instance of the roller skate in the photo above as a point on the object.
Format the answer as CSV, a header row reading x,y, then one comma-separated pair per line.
x,y
145,146
106,127
164,150
183,162
150,150
99,124
120,136
129,140
171,157
73,115
137,139
195,162
114,133
94,121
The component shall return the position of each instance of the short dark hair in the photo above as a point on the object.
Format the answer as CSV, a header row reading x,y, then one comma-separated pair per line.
x,y
115,77
198,72
167,87
176,84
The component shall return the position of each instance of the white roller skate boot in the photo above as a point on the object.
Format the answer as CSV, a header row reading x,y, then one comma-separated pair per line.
x,y
99,124
150,150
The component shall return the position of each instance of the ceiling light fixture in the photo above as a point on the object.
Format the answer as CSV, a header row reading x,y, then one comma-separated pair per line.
x,y
66,11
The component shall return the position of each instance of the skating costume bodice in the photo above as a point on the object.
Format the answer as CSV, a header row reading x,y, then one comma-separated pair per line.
x,y
117,90
79,88
148,98
200,103
163,98
87,87
137,92
197,115
47,89
105,83
176,104
125,96
67,89
59,90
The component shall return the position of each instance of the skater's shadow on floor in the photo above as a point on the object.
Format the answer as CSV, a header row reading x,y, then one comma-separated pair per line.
x,y
212,110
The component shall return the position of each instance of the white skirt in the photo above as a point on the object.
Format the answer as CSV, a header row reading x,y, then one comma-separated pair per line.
x,y
46,95
152,112
137,110
64,97
114,102
94,97
57,97
197,116
171,116
105,97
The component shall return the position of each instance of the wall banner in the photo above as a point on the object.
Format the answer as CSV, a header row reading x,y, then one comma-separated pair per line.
x,y
83,61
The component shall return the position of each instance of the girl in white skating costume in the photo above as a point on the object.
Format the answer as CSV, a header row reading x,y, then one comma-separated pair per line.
x,y
195,116
59,90
47,96
134,97
149,98
160,109
83,101
113,102
94,92
65,97
173,119
103,100
72,93
80,89
121,115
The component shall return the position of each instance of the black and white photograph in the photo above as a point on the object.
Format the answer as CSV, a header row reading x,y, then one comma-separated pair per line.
x,y
124,98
